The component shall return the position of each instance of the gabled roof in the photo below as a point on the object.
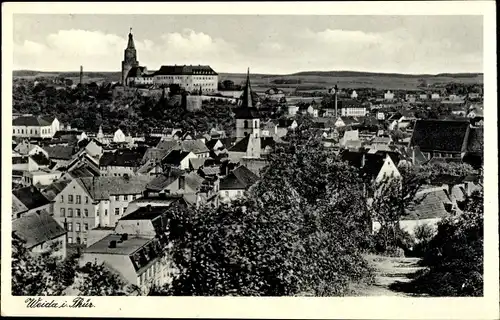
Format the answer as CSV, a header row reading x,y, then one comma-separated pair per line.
x,y
241,146
30,121
239,178
40,159
31,197
196,163
59,152
168,145
440,135
185,70
83,172
175,157
64,133
211,143
122,158
267,141
164,180
52,190
285,123
155,154
195,146
193,180
36,228
430,204
101,188
475,142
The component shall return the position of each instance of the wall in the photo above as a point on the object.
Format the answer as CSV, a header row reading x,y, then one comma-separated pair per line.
x,y
121,204
118,262
61,202
252,127
230,195
33,131
115,171
143,228
60,250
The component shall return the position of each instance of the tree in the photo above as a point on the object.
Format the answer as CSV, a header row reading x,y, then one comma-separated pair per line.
x,y
39,274
97,280
454,258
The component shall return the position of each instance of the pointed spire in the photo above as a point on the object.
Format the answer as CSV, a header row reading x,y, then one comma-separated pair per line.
x,y
246,99
130,44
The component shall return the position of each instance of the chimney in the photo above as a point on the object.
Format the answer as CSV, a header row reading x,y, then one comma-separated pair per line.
x,y
148,207
112,244
124,237
182,182
81,74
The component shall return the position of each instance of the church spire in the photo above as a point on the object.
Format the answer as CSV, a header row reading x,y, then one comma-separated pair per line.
x,y
130,44
246,99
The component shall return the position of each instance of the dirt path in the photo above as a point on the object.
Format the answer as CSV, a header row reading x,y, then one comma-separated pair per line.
x,y
388,270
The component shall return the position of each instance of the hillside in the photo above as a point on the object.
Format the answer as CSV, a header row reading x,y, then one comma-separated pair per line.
x,y
309,80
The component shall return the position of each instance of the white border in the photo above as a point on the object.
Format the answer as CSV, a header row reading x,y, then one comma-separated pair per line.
x,y
291,308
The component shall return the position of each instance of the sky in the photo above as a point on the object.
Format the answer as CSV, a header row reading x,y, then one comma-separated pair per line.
x,y
265,44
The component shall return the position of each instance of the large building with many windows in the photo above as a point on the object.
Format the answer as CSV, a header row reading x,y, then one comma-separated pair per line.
x,y
192,78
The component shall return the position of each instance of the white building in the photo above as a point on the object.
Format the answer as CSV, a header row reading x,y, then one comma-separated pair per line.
x,y
191,78
389,95
354,94
32,127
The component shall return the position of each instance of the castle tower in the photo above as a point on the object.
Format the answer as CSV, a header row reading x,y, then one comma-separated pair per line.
x,y
247,116
129,59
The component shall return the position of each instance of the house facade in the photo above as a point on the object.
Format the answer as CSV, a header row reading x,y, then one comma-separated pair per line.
x,y
32,127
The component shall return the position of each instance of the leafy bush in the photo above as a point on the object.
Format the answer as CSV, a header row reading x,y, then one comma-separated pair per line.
x,y
454,257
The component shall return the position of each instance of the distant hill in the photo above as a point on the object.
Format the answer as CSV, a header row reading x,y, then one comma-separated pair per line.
x,y
309,80
377,74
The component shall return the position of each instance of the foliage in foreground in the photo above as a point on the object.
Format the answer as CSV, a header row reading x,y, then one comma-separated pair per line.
x,y
298,231
46,274
455,256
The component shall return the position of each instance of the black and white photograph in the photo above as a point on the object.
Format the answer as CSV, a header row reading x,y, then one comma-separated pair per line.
x,y
247,155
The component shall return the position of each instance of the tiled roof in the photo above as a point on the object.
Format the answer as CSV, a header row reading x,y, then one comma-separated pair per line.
x,y
63,133
128,247
195,146
195,163
30,121
100,188
267,141
40,159
168,145
83,172
185,70
52,190
122,158
146,213
31,197
193,180
430,204
440,135
164,180
476,140
246,113
175,157
241,146
59,152
155,154
285,123
36,228
239,178
211,143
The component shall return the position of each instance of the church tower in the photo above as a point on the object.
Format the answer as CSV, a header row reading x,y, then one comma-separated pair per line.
x,y
247,116
129,59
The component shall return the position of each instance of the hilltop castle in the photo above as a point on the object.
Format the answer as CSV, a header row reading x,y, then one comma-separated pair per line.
x,y
191,78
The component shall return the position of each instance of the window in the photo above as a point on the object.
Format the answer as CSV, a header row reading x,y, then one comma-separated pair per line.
x,y
86,199
77,227
63,212
78,212
117,211
85,227
70,226
86,213
62,199
70,240
134,197
78,199
125,197
70,198
117,198
105,212
84,240
70,212
246,124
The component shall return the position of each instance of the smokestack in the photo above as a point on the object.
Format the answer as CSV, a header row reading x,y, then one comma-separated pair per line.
x,y
336,89
81,75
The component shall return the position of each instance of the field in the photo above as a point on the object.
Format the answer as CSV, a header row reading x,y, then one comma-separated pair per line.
x,y
309,81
